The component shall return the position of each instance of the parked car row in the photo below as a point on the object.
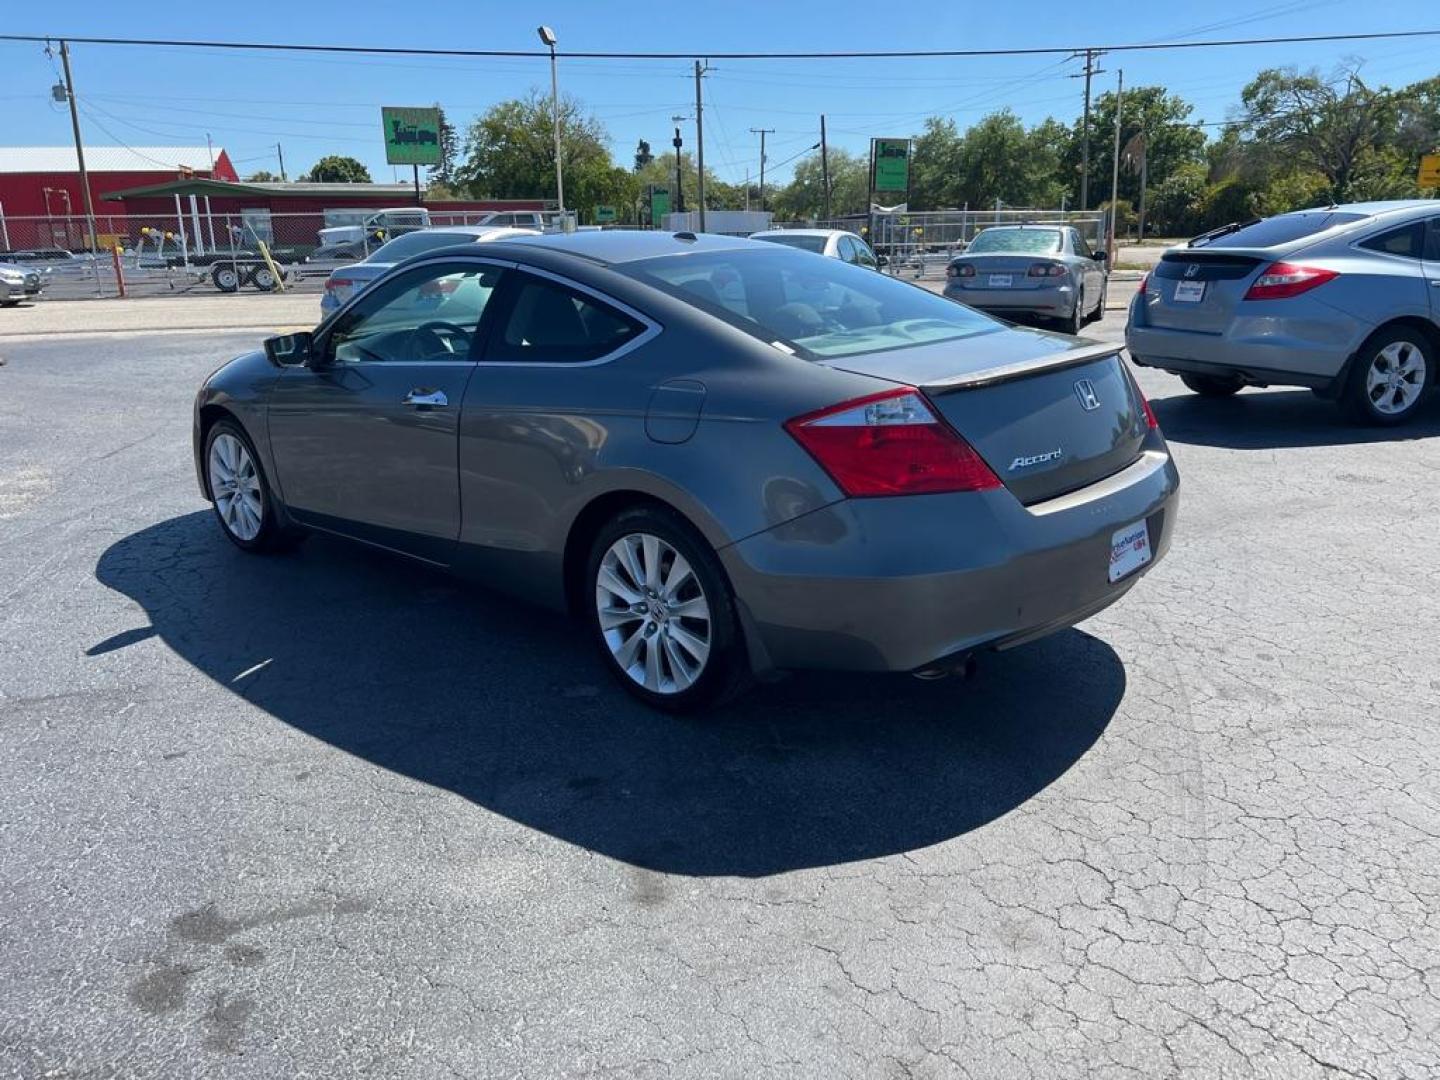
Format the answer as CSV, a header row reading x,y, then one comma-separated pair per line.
x,y
18,283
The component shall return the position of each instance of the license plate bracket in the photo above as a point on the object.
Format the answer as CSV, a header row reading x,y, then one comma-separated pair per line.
x,y
1129,550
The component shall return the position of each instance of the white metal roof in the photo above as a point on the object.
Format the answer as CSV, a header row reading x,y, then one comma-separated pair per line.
x,y
59,159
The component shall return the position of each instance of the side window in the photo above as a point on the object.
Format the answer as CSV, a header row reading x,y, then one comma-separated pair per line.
x,y
864,255
1081,247
1408,241
430,314
549,323
846,249
1432,251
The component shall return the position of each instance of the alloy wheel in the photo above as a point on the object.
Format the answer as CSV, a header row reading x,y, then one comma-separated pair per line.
x,y
236,486
654,615
1395,378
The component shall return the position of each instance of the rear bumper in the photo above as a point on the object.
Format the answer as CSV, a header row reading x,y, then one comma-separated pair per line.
x,y
1056,303
1262,349
897,584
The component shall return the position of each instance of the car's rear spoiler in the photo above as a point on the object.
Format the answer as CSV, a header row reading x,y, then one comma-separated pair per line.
x,y
971,380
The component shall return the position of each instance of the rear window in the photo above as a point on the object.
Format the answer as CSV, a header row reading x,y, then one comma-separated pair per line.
x,y
804,243
402,247
820,308
1024,241
1280,230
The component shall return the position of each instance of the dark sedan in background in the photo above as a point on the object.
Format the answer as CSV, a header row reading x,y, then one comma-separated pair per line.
x,y
1031,271
726,456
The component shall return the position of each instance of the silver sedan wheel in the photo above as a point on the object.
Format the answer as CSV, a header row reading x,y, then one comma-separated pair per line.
x,y
236,487
653,613
1396,377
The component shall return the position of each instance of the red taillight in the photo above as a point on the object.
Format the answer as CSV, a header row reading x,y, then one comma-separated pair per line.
x,y
1282,280
1144,281
1151,421
339,283
961,270
890,444
1046,269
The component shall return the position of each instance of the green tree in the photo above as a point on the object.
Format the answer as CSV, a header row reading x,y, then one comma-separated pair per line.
x,y
934,163
510,154
660,171
444,172
261,176
643,156
336,169
1325,125
804,196
1175,206
1171,140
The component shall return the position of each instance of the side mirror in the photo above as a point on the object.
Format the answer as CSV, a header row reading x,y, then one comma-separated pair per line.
x,y
291,350
882,260
1100,256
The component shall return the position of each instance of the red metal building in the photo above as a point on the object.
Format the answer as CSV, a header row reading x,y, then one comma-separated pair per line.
x,y
44,181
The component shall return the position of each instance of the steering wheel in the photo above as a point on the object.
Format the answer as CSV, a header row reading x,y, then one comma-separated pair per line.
x,y
439,334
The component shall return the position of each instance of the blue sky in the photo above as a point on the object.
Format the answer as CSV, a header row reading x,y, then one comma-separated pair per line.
x,y
315,105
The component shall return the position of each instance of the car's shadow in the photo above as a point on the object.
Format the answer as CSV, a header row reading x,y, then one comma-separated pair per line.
x,y
506,706
1274,419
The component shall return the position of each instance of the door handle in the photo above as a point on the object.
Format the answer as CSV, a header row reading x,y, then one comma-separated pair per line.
x,y
423,398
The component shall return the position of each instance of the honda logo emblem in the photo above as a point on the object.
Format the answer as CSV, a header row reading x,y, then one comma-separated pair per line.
x,y
1193,270
1085,391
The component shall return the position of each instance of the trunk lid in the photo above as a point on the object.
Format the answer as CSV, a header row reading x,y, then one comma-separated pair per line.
x,y
1199,291
1008,272
1048,415
349,280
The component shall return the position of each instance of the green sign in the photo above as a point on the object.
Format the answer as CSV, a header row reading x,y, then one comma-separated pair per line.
x,y
604,215
412,136
889,164
659,206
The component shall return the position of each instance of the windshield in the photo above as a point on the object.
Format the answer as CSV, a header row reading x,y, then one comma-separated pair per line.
x,y
820,308
1279,230
796,240
402,247
1025,241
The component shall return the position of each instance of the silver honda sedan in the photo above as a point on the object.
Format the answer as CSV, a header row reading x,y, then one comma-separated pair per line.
x,y
1040,271
1342,299
725,456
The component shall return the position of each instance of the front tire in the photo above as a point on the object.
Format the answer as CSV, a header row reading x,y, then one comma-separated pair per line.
x,y
1213,386
226,277
662,612
1389,377
240,493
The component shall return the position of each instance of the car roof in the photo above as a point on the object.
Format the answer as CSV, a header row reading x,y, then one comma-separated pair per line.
x,y
475,230
610,248
1371,209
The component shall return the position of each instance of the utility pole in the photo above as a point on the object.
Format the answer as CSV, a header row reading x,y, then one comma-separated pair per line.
x,y
281,154
762,132
1115,165
79,148
825,166
678,142
700,70
1090,55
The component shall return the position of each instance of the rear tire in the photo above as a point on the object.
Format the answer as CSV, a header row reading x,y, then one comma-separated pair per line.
x,y
1213,386
263,279
1389,377
1076,322
662,613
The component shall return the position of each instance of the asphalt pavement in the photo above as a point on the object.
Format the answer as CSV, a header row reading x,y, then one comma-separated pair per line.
x,y
333,815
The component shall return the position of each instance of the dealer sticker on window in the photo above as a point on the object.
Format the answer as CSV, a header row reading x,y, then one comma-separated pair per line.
x,y
1129,550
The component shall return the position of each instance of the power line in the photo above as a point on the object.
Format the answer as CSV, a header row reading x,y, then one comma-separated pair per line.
x,y
1051,50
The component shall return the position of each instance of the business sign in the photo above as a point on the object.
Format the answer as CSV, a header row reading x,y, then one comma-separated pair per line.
x,y
659,206
889,164
1430,170
604,215
412,136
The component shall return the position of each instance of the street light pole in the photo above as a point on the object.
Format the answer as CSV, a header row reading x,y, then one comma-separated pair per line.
x,y
762,132
547,36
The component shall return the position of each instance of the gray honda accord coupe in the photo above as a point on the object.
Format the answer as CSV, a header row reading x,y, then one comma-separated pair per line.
x,y
726,457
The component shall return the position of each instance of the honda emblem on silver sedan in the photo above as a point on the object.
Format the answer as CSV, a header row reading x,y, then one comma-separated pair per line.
x,y
1085,391
1193,270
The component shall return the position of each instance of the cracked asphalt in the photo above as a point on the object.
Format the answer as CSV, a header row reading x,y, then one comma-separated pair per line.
x,y
330,815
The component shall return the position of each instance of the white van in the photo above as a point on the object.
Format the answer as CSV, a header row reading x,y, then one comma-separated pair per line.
x,y
381,225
